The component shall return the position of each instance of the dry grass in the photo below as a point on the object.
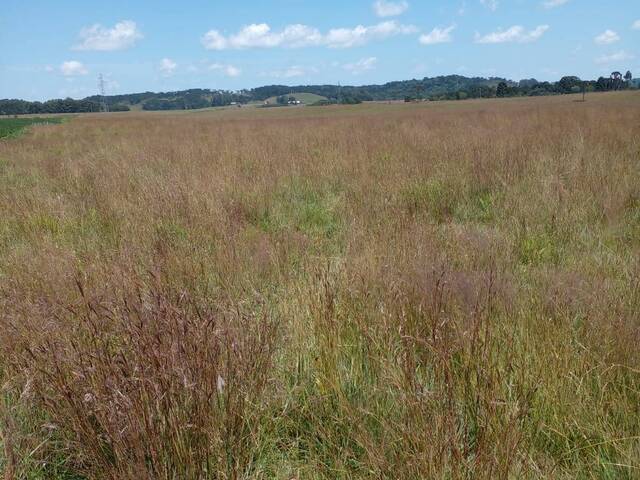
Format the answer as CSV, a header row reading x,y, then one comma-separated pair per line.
x,y
448,290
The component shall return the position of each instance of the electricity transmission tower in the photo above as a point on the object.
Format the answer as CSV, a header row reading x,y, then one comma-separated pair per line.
x,y
103,100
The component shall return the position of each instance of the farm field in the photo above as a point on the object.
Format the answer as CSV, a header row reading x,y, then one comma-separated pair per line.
x,y
13,126
440,290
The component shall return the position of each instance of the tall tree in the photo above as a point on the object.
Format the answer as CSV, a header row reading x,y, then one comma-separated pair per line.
x,y
616,79
502,89
566,84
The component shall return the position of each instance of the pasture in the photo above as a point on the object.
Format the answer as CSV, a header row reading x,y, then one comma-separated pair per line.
x,y
444,290
10,127
305,98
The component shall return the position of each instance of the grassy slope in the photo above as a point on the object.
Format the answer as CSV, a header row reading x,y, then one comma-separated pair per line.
x,y
306,98
443,290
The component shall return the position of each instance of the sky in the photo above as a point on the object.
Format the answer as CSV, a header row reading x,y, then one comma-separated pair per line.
x,y
56,49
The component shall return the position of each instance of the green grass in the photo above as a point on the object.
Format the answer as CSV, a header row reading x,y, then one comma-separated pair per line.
x,y
306,98
11,127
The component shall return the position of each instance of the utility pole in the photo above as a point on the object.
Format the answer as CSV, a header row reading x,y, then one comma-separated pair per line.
x,y
103,100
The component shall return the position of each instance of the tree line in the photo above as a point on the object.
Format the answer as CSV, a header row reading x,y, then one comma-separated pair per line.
x,y
566,85
66,105
449,87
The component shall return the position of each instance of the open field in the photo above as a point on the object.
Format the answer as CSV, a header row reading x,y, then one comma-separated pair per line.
x,y
10,127
447,290
305,98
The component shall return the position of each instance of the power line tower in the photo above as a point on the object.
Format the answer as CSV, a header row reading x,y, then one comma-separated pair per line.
x,y
101,88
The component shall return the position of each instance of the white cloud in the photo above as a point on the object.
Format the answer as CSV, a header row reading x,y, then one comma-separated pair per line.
x,y
383,8
260,35
232,71
490,4
553,3
292,71
49,68
361,66
345,37
517,33
437,35
620,56
167,67
228,70
123,35
636,25
607,37
73,68
213,40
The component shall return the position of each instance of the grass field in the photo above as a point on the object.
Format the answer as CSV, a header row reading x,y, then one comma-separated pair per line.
x,y
10,127
305,98
442,290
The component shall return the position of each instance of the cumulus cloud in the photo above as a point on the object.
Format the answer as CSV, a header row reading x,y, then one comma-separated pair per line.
x,y
383,8
553,3
490,4
607,37
228,70
345,37
620,56
214,40
73,68
636,25
361,66
517,33
167,67
260,35
437,35
292,71
98,38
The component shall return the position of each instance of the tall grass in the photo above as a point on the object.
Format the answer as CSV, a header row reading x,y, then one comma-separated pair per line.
x,y
448,290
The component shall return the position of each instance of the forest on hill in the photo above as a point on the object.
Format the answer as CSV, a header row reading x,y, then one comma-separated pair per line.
x,y
449,87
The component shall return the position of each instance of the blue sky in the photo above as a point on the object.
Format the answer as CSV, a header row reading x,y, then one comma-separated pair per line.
x,y
53,49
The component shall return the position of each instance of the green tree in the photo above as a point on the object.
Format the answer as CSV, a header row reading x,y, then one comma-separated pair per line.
x,y
616,80
602,85
502,90
567,84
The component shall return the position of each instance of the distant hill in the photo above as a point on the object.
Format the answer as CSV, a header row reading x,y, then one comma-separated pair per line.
x,y
449,87
304,97
427,87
